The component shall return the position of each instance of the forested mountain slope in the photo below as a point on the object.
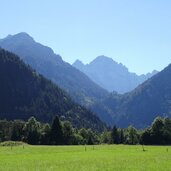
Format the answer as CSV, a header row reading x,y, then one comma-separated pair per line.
x,y
24,93
142,105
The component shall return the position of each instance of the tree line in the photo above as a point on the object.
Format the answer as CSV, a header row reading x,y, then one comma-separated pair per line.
x,y
63,133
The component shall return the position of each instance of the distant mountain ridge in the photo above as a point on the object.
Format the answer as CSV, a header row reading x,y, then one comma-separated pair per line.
x,y
111,75
46,62
140,106
24,93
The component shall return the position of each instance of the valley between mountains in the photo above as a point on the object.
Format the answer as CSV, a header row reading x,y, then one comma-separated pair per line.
x,y
101,93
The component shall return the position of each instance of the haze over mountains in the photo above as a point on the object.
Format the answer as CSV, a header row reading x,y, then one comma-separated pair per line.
x,y
111,75
138,107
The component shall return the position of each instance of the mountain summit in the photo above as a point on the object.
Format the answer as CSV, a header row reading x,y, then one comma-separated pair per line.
x,y
111,75
46,62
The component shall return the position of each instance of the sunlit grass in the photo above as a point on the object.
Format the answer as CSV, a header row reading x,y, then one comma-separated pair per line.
x,y
77,158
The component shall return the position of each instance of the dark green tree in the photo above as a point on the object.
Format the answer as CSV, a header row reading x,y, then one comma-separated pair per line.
x,y
114,135
157,129
132,136
92,137
68,133
45,134
56,133
167,131
32,131
105,137
5,130
17,130
146,137
84,133
121,136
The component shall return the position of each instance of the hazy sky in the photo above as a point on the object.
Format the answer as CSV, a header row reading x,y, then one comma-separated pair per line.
x,y
134,32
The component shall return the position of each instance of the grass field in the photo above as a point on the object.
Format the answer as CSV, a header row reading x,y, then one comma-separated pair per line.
x,y
76,158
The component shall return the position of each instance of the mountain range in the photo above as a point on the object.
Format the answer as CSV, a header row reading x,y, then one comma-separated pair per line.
x,y
111,75
138,107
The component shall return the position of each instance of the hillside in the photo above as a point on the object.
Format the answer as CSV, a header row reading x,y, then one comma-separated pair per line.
x,y
142,105
111,75
50,65
138,107
24,93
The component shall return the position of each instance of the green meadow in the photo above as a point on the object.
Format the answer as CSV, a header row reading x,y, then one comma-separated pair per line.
x,y
85,158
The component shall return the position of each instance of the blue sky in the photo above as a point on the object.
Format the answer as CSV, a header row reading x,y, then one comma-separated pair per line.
x,y
134,32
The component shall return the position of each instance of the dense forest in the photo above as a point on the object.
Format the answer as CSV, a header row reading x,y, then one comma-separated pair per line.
x,y
24,93
63,133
